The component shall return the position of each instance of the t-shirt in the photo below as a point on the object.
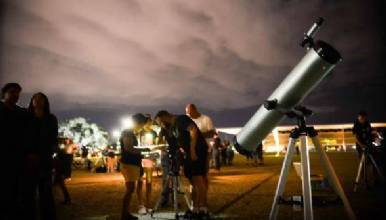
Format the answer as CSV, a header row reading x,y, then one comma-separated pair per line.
x,y
204,123
181,132
128,157
362,131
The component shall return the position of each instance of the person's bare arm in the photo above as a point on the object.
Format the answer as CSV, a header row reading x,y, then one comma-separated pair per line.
x,y
210,130
193,141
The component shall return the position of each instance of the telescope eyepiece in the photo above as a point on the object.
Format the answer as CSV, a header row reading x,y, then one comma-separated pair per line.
x,y
308,40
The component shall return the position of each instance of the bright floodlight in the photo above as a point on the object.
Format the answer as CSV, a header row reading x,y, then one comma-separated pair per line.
x,y
116,133
127,123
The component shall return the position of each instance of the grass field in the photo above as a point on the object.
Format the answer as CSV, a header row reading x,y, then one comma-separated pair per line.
x,y
242,191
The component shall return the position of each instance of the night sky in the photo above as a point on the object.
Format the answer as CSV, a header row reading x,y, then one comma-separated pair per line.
x,y
108,58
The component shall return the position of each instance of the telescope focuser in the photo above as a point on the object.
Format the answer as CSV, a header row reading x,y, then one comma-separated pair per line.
x,y
308,40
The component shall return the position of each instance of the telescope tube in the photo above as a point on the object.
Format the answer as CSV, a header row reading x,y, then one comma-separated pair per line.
x,y
307,74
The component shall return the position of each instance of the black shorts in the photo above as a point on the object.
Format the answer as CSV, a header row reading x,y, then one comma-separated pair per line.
x,y
198,167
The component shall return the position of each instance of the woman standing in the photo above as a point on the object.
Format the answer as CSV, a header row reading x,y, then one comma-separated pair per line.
x,y
130,168
43,130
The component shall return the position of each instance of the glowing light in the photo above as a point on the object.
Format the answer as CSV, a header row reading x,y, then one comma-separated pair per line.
x,y
116,133
127,123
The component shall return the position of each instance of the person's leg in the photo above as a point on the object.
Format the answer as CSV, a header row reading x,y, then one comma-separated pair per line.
x,y
194,195
149,178
29,186
62,186
46,197
199,184
130,187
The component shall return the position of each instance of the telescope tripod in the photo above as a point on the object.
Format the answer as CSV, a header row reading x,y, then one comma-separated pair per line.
x,y
301,132
177,188
365,159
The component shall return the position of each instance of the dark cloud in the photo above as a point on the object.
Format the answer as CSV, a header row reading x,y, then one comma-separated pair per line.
x,y
103,59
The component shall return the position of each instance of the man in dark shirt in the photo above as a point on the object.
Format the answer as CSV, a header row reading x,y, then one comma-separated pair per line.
x,y
363,133
12,136
192,142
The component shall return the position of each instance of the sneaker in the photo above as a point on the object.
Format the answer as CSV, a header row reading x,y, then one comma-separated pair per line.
x,y
142,210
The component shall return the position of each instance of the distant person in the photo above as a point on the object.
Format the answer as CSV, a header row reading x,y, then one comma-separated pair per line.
x,y
230,153
130,168
216,148
110,160
13,137
69,150
362,132
223,151
259,154
60,176
193,143
43,132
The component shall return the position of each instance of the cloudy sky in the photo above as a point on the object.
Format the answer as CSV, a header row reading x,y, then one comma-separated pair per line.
x,y
106,58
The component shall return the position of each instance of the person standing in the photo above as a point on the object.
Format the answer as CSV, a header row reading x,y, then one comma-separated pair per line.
x,y
43,131
130,168
110,160
60,175
259,154
69,150
148,137
216,148
207,129
195,147
13,138
362,132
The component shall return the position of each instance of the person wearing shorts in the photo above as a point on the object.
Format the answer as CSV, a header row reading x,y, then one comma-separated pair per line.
x,y
193,143
130,168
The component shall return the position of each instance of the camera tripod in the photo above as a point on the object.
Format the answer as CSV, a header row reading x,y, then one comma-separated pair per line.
x,y
177,189
365,159
301,132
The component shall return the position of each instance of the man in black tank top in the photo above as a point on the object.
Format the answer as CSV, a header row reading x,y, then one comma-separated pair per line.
x,y
191,141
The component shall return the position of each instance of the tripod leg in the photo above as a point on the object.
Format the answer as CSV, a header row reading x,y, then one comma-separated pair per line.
x,y
332,177
306,179
357,179
365,162
157,205
282,179
376,168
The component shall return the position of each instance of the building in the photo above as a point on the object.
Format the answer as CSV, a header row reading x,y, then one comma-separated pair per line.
x,y
335,137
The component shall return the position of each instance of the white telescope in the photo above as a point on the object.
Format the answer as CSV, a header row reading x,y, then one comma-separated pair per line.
x,y
318,62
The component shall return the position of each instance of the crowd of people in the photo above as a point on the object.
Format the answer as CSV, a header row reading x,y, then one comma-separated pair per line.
x,y
31,136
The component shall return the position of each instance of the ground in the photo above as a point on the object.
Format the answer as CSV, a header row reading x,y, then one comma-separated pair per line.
x,y
242,191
